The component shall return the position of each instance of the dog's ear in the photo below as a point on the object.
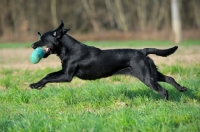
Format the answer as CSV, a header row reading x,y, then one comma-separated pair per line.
x,y
65,30
39,35
59,28
58,31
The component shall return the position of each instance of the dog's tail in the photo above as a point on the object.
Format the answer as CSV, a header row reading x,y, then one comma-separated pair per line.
x,y
159,52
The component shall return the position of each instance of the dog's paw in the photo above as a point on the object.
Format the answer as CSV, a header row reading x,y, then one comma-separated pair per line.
x,y
35,86
183,89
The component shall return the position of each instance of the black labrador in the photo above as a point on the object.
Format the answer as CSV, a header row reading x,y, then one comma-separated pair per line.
x,y
91,63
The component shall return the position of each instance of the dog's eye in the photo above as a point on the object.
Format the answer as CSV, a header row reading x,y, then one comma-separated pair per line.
x,y
54,34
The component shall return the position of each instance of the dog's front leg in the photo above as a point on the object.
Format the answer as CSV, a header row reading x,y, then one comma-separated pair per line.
x,y
59,76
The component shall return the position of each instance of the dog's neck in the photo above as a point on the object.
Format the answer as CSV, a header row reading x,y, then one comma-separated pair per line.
x,y
68,44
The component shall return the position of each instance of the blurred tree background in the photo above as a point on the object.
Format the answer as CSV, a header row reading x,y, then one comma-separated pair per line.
x,y
20,19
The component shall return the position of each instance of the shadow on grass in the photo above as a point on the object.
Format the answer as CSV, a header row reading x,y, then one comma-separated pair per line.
x,y
190,94
131,94
174,95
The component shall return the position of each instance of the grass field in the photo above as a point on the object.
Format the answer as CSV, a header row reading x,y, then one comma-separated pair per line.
x,y
118,103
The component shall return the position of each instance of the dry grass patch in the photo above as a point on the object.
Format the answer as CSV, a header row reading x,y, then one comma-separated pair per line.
x,y
19,58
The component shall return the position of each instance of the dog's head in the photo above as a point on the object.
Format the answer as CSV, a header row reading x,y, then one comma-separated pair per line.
x,y
50,40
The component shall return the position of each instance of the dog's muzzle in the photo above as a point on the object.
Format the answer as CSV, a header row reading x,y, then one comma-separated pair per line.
x,y
33,46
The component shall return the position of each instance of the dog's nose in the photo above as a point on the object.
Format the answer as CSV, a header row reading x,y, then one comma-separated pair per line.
x,y
32,46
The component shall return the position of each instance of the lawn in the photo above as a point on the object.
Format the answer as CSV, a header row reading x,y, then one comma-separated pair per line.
x,y
118,103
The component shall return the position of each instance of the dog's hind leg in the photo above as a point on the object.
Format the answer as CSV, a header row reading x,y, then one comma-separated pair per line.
x,y
170,80
153,84
144,72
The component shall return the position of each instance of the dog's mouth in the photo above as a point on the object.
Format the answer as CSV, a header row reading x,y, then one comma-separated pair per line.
x,y
48,51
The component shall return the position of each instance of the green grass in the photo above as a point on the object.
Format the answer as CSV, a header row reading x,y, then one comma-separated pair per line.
x,y
118,103
15,45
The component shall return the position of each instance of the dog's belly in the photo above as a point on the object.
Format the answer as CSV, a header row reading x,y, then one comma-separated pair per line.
x,y
92,73
86,76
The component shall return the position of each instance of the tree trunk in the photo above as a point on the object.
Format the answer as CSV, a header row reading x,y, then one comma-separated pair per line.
x,y
141,6
54,13
176,22
110,14
121,18
196,9
90,11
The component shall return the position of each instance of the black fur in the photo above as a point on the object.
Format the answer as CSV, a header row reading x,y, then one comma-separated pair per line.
x,y
91,63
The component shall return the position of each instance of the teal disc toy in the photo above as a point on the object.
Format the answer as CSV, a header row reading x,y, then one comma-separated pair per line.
x,y
37,55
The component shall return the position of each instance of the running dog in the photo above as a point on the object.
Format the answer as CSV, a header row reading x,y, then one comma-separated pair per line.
x,y
89,63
